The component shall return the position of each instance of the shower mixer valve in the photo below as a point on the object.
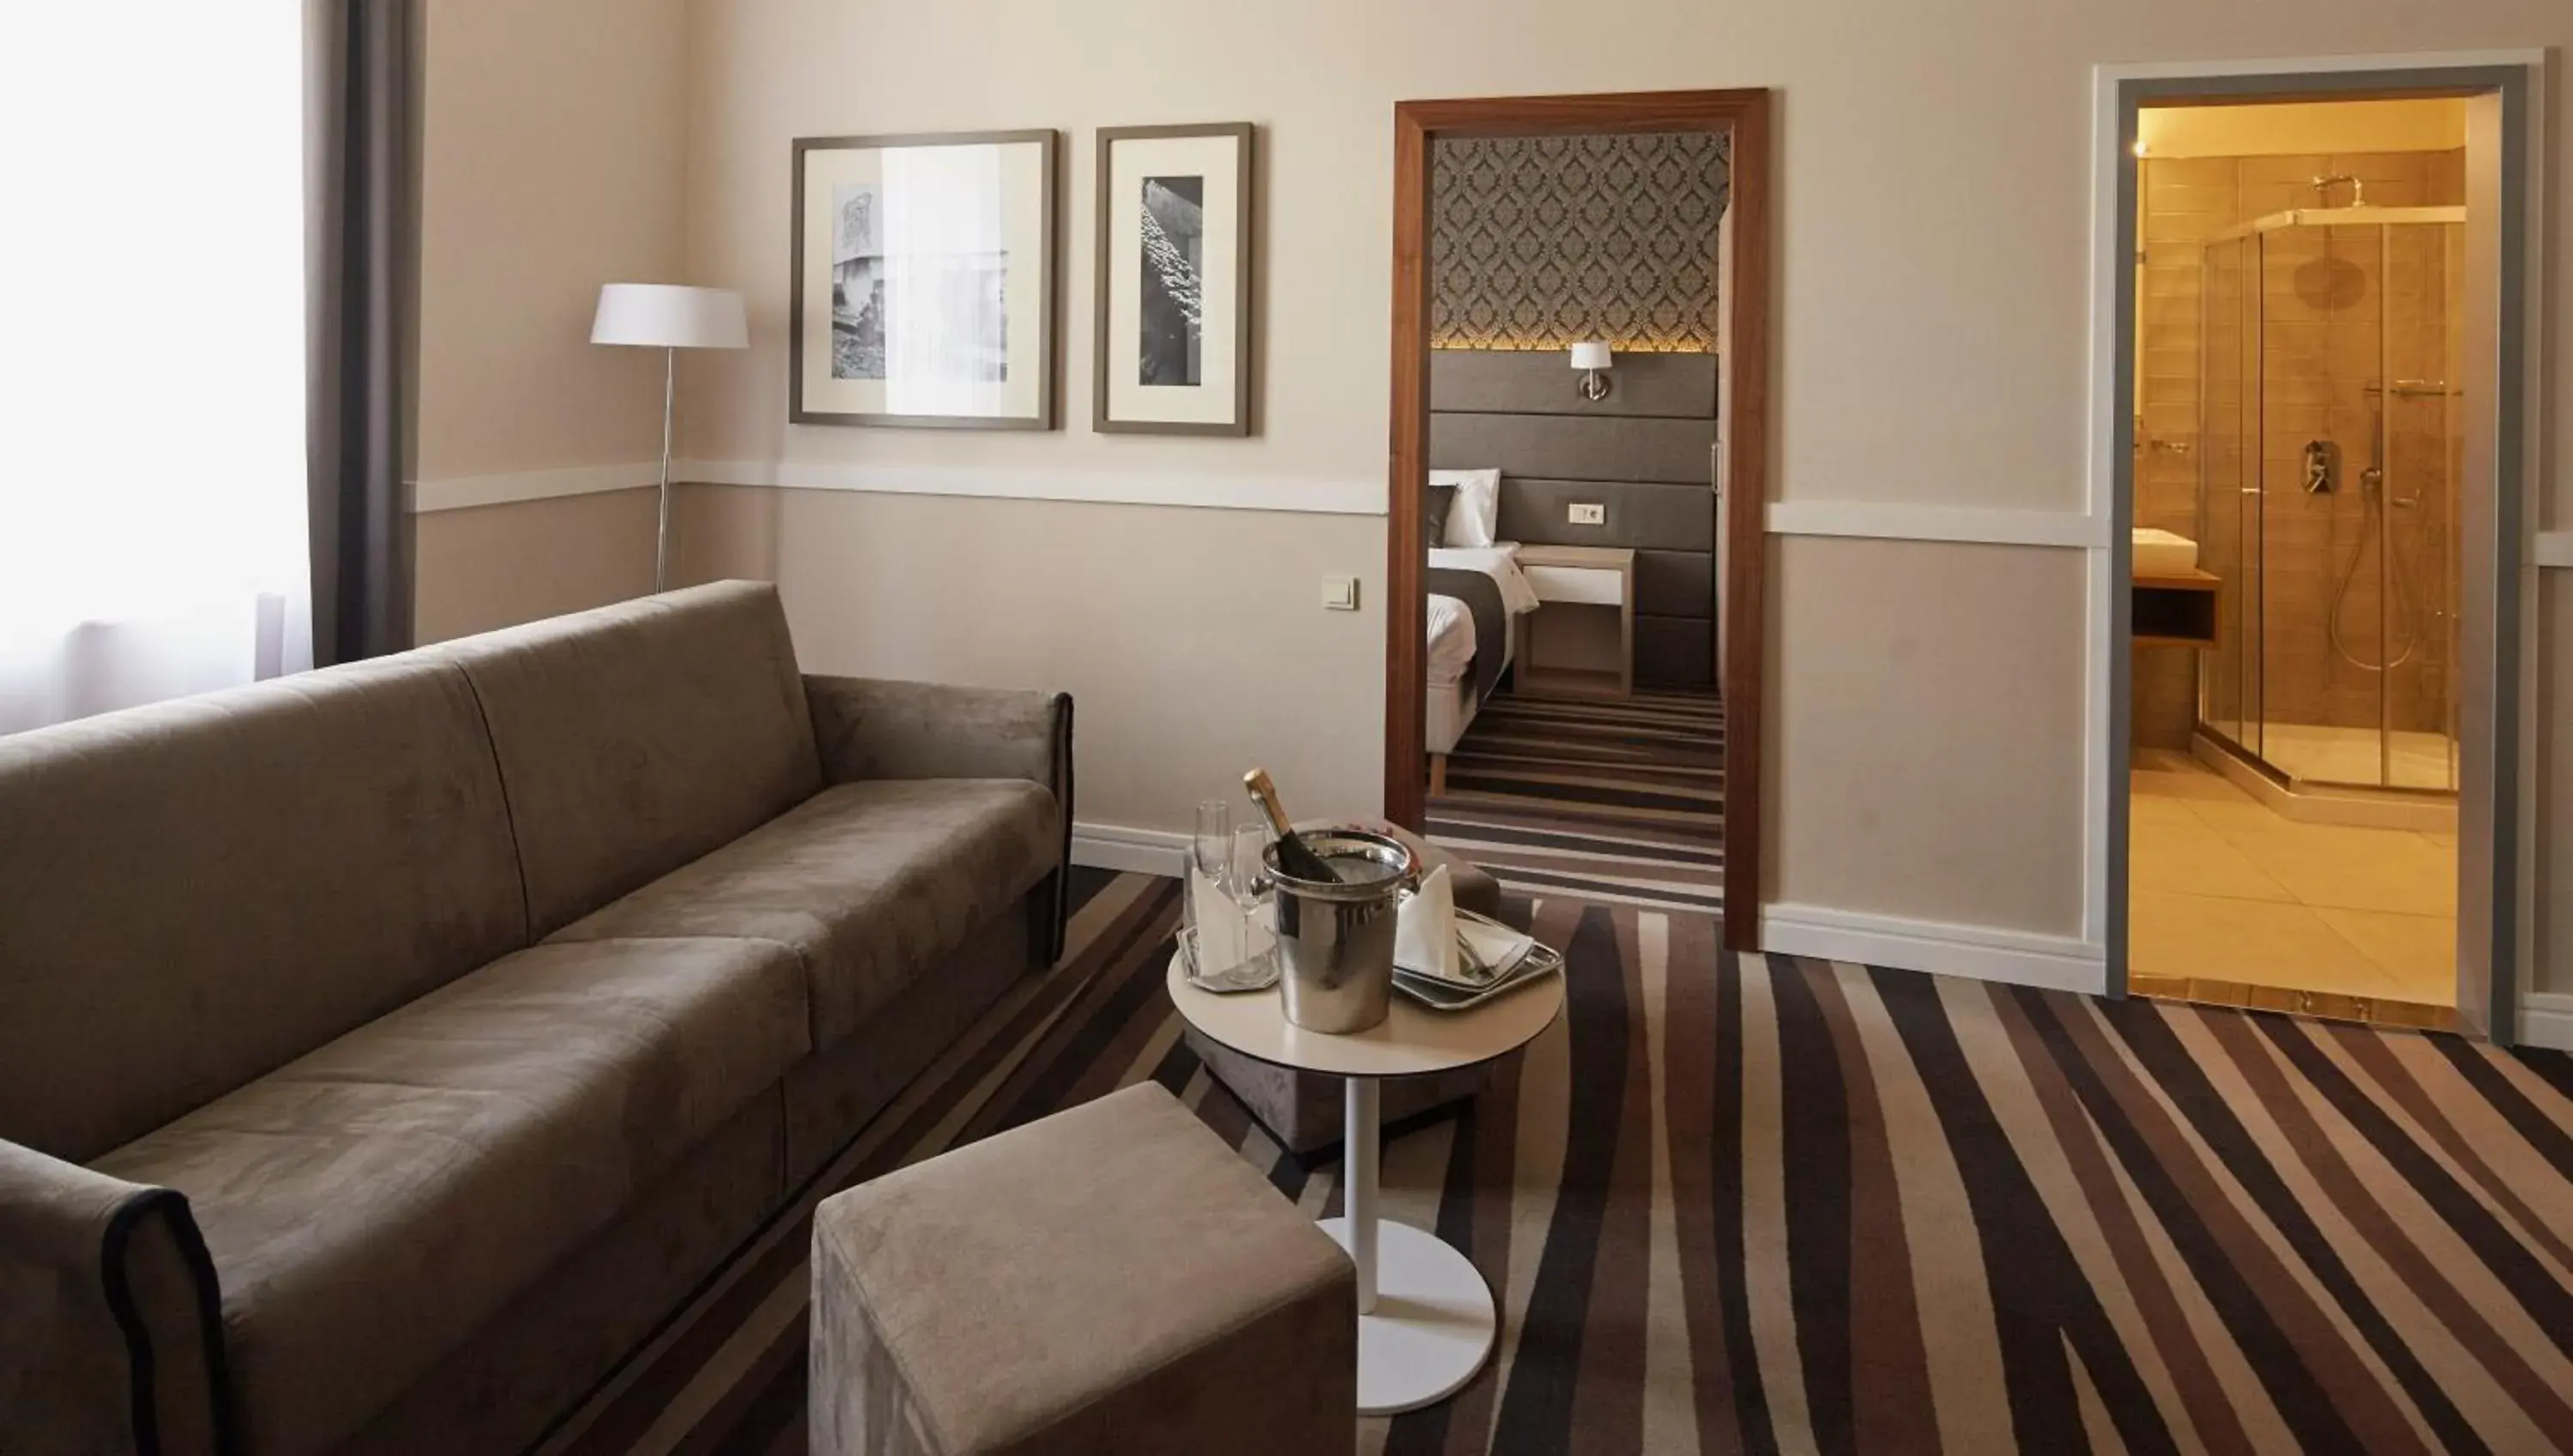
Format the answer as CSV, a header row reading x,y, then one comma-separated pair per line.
x,y
2322,466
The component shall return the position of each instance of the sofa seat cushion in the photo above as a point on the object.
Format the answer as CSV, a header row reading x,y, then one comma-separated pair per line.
x,y
870,884
371,1203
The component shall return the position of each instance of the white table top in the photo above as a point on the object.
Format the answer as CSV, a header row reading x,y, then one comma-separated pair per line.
x,y
1410,1041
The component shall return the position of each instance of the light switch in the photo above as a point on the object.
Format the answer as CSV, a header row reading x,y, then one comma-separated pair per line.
x,y
1340,593
1587,514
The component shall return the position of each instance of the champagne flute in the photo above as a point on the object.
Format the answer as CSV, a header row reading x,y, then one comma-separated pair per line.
x,y
1249,841
1211,849
1244,869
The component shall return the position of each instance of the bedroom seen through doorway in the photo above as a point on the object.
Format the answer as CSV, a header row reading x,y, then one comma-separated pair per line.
x,y
1574,734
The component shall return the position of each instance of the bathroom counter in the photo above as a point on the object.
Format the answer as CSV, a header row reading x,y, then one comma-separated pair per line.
x,y
2176,608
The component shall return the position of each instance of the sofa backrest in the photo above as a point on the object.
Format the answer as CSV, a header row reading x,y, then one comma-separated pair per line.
x,y
638,737
193,894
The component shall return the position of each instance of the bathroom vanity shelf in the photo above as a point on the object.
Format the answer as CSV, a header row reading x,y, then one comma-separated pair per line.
x,y
2176,608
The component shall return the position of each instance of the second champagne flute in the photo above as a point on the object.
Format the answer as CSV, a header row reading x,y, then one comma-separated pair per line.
x,y
1209,850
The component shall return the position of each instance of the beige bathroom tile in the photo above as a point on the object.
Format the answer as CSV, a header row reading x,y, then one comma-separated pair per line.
x,y
2292,168
2189,857
2193,785
2244,815
2190,171
2419,952
2381,167
2257,942
2182,226
2155,808
2354,868
2259,198
2395,191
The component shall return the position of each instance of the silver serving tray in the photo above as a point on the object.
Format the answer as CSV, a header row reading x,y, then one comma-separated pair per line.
x,y
1436,995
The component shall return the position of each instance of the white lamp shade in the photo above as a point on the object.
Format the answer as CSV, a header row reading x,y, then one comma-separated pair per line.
x,y
1590,353
668,316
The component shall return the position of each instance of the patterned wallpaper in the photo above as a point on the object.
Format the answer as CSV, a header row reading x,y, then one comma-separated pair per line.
x,y
1537,242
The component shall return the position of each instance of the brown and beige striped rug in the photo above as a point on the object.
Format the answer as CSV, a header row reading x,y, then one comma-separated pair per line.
x,y
1780,1206
1619,800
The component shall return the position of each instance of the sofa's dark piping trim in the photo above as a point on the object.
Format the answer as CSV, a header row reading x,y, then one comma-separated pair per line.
x,y
1063,868
119,1293
508,805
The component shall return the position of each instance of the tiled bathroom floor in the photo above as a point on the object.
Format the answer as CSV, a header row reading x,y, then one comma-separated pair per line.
x,y
2224,889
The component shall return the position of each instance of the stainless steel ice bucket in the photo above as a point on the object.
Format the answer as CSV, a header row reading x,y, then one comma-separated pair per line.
x,y
1336,939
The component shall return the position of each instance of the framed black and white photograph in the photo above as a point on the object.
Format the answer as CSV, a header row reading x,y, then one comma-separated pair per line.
x,y
1175,281
924,281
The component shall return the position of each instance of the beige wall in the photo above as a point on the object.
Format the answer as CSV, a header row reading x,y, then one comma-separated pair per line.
x,y
1184,670
1933,308
552,163
495,565
1926,739
1933,311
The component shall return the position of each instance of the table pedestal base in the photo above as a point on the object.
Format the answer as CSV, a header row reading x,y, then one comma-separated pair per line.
x,y
1432,1325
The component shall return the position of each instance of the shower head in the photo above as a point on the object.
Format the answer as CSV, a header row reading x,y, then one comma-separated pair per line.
x,y
2323,184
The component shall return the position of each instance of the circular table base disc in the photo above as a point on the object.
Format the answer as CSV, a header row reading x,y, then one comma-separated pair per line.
x,y
1433,1322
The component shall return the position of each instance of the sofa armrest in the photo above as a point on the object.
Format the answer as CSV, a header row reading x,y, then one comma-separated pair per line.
x,y
871,728
111,1325
876,728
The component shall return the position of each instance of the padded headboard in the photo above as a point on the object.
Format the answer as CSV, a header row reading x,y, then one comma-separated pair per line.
x,y
1645,452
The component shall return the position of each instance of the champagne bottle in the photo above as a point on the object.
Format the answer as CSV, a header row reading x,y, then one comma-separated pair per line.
x,y
1294,856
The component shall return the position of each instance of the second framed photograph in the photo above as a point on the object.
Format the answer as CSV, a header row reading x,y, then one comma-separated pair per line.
x,y
1175,281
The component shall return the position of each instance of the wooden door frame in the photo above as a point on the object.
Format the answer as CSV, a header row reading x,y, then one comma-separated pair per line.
x,y
1742,425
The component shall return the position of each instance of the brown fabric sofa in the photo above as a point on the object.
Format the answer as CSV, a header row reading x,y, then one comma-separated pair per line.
x,y
386,1051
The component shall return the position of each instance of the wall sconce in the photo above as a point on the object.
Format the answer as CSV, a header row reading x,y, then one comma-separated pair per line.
x,y
1591,357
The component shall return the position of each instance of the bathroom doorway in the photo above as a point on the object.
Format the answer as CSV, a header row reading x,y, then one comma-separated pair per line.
x,y
2318,580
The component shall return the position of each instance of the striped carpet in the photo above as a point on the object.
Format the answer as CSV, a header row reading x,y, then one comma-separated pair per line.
x,y
1781,1205
1619,800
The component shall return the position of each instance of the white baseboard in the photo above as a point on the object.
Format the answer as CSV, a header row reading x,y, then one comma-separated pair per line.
x,y
1985,952
1127,851
2546,1019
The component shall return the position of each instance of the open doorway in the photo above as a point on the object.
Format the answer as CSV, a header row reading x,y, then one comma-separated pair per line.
x,y
1572,652
2318,573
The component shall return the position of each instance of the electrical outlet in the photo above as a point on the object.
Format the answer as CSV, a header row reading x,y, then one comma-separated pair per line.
x,y
1340,593
1587,514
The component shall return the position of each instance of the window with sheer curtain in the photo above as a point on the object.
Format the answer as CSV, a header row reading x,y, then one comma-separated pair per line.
x,y
153,485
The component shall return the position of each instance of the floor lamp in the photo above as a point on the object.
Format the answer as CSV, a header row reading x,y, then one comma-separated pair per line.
x,y
669,317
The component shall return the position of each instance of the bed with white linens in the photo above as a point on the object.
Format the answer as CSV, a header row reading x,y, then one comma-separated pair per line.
x,y
1473,637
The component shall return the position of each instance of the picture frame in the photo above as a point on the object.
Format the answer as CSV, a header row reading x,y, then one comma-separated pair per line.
x,y
925,289
1172,315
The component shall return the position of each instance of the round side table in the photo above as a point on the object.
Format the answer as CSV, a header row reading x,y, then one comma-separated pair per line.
x,y
1425,1317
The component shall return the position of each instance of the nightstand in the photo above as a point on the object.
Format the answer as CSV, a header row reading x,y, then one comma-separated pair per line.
x,y
1583,636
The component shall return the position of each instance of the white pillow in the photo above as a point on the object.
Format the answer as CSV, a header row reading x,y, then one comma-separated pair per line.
x,y
1478,506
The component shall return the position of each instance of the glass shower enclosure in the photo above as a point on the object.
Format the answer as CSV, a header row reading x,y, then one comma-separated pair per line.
x,y
2330,455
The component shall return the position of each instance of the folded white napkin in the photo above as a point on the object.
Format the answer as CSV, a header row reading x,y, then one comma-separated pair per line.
x,y
1429,928
1425,929
1224,932
1498,946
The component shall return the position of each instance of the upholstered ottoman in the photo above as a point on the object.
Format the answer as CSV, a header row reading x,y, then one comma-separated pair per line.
x,y
1110,1279
1304,1110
